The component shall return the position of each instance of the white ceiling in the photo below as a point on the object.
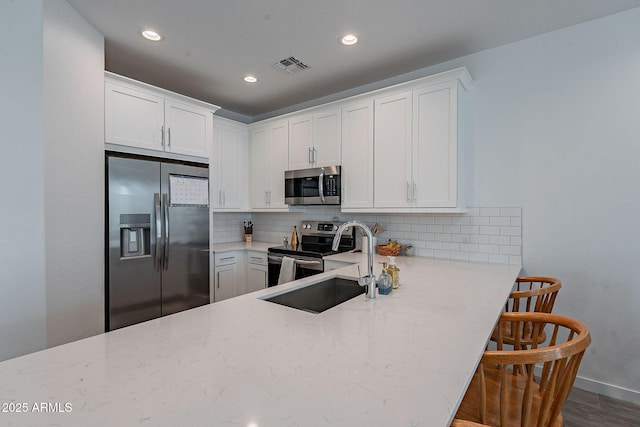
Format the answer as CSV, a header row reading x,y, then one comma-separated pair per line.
x,y
210,45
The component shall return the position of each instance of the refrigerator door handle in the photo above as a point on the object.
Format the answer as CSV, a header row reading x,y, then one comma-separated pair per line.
x,y
158,221
165,201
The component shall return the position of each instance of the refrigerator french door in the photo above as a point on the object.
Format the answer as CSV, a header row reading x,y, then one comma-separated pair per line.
x,y
158,239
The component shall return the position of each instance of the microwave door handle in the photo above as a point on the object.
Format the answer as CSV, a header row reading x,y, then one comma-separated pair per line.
x,y
321,185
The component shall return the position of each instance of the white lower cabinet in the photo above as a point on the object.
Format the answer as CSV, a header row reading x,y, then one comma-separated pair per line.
x,y
257,271
229,275
239,272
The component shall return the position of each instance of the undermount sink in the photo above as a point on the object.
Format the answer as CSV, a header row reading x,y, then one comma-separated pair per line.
x,y
320,296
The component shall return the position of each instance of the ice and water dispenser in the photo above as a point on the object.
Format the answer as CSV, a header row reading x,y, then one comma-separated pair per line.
x,y
135,235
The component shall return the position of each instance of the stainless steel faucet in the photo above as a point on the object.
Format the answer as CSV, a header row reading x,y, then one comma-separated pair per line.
x,y
369,280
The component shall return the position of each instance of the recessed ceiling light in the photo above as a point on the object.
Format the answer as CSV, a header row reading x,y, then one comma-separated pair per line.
x,y
349,40
152,35
250,79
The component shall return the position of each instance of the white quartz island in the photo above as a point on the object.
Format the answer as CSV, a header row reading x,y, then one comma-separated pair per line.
x,y
399,360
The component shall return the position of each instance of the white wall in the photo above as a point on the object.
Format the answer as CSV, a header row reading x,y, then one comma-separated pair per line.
x,y
74,165
22,257
556,130
51,177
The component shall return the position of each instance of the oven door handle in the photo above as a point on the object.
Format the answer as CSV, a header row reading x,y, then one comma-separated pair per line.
x,y
274,258
304,262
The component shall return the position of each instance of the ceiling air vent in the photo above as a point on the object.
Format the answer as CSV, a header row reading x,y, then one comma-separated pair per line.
x,y
291,65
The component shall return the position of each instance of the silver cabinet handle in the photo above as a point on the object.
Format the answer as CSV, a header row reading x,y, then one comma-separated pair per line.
x,y
165,198
158,221
408,193
309,155
169,132
162,136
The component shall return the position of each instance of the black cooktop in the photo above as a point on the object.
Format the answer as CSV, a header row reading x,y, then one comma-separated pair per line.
x,y
301,251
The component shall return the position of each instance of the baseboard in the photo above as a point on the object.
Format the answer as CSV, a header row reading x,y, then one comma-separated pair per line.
x,y
603,389
608,390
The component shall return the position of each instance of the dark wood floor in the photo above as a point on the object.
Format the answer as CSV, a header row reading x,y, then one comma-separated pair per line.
x,y
585,409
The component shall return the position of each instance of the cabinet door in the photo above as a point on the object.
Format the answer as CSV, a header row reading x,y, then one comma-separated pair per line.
x,y
392,148
357,155
301,141
278,163
231,166
256,277
435,146
133,118
327,138
259,154
188,129
225,282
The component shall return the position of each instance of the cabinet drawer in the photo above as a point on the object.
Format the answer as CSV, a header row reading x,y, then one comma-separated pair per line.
x,y
225,258
259,258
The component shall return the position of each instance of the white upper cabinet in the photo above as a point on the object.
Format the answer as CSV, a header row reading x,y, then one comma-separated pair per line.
x,y
402,148
301,141
357,155
269,160
315,139
229,165
327,137
420,146
392,151
188,129
435,146
140,116
133,118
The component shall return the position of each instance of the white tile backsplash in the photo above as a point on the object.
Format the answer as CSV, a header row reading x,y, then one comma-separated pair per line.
x,y
486,234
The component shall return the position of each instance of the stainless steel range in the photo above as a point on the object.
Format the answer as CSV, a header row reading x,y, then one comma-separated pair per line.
x,y
316,238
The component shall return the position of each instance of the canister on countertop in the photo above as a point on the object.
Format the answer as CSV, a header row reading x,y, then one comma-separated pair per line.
x,y
394,272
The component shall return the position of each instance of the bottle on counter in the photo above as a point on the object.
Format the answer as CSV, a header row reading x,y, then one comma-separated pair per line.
x,y
294,238
394,272
384,281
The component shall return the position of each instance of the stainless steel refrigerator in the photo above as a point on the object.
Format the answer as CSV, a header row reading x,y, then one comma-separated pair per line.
x,y
158,238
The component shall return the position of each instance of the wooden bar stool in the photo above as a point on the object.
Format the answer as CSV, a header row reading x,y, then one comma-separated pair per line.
x,y
532,294
509,389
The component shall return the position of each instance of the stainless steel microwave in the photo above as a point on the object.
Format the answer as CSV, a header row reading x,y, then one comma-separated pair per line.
x,y
316,186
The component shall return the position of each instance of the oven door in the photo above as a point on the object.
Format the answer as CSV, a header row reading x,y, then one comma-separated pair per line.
x,y
305,267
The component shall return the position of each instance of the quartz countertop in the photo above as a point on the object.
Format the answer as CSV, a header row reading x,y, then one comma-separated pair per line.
x,y
403,359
